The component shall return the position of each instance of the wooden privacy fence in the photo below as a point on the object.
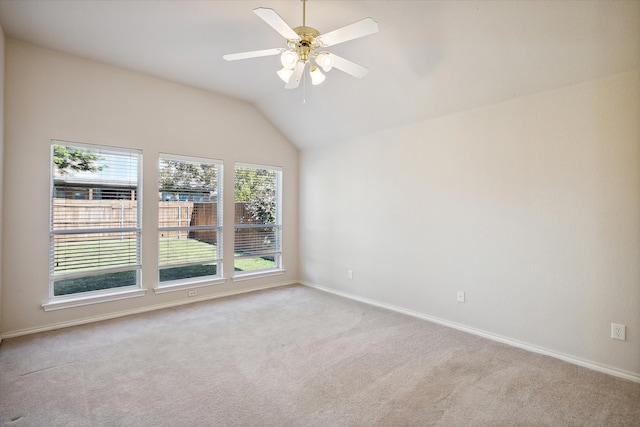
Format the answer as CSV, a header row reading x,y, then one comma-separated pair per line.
x,y
188,214
69,214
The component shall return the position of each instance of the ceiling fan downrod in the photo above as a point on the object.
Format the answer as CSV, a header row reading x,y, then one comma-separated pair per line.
x,y
307,43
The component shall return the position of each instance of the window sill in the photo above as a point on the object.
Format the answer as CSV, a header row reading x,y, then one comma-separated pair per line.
x,y
257,274
161,289
80,300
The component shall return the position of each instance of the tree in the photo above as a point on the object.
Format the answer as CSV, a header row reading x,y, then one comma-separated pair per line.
x,y
256,188
177,175
70,159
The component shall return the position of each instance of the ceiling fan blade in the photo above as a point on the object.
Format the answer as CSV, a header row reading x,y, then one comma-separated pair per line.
x,y
294,81
272,18
349,67
252,54
361,28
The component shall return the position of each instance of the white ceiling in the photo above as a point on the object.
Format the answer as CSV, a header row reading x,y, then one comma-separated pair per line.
x,y
430,58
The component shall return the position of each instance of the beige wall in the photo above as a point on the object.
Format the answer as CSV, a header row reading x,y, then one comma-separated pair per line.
x,y
531,207
50,95
2,42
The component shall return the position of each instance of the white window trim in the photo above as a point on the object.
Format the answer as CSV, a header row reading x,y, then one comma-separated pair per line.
x,y
197,282
257,274
79,300
181,285
239,276
111,294
257,166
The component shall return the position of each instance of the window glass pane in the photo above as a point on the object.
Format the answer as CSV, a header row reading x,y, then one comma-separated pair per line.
x,y
257,240
95,218
189,218
95,282
257,218
188,272
82,252
188,248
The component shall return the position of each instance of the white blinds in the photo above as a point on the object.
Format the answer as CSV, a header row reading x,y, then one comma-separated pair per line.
x,y
189,217
95,212
257,218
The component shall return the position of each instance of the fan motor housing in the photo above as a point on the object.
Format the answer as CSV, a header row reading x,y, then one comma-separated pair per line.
x,y
307,41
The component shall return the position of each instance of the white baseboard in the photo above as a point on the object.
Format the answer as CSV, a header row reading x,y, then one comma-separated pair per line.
x,y
505,340
115,315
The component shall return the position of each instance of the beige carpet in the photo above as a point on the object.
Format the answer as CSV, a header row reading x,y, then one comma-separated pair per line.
x,y
294,356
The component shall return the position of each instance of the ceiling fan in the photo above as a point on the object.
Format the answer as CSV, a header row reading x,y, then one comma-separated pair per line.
x,y
306,43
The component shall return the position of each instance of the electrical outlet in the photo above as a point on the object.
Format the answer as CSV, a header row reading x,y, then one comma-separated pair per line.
x,y
460,296
193,293
618,332
350,274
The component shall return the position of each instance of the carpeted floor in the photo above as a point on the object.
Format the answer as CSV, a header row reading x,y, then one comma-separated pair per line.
x,y
294,356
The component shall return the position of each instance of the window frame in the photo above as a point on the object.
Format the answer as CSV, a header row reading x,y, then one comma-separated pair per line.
x,y
277,224
195,281
107,294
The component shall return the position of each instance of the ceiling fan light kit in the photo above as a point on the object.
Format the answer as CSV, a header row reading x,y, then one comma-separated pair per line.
x,y
325,61
285,74
303,44
316,75
289,58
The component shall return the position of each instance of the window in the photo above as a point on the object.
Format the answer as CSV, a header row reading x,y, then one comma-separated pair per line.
x,y
95,222
258,219
189,219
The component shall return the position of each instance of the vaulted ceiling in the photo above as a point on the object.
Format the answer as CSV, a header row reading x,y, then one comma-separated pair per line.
x,y
430,58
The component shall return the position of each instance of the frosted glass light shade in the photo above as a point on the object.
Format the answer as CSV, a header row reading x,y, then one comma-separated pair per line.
x,y
316,76
285,74
325,61
289,59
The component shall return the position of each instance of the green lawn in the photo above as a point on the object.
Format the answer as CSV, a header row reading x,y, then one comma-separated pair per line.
x,y
187,250
252,264
94,283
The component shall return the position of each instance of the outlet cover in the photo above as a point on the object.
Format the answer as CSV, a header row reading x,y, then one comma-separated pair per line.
x,y
618,332
460,296
193,293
